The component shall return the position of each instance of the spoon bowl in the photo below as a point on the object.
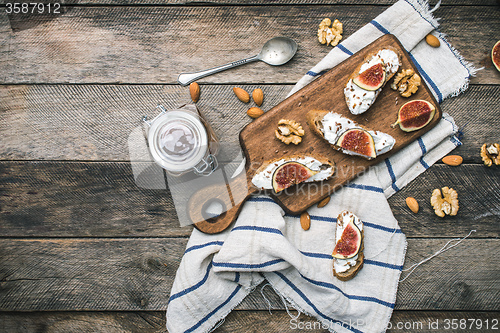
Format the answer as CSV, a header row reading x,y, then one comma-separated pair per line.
x,y
276,51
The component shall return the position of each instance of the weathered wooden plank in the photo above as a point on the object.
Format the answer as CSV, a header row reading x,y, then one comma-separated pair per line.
x,y
107,44
82,199
57,199
64,322
478,199
259,2
137,274
238,321
95,122
407,321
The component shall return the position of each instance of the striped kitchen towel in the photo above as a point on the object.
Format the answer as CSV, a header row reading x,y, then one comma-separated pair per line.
x,y
218,271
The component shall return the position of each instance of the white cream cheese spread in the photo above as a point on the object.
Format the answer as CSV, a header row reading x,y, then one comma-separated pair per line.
x,y
359,99
342,265
263,179
334,125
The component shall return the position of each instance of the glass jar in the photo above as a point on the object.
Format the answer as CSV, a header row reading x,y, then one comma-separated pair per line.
x,y
181,141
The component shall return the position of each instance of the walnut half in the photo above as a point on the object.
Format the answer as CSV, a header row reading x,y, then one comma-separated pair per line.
x,y
445,201
330,35
289,131
490,153
406,82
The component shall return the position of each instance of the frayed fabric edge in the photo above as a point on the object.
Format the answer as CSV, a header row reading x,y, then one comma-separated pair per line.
x,y
423,8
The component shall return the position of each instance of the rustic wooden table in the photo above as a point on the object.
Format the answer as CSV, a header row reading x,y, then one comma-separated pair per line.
x,y
84,249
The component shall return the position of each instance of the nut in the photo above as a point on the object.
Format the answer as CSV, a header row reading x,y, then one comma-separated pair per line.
x,y
406,82
305,220
324,202
330,35
194,90
453,160
445,201
432,40
255,112
258,96
412,203
289,131
490,153
241,94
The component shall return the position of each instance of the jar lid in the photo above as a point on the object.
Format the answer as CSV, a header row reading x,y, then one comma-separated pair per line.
x,y
178,140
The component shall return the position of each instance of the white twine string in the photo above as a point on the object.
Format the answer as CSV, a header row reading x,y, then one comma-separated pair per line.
x,y
435,7
265,298
288,311
282,300
443,249
219,324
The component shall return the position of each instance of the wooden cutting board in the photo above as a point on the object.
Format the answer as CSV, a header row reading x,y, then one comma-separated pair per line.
x,y
259,143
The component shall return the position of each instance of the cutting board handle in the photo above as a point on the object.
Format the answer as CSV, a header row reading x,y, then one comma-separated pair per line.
x,y
230,196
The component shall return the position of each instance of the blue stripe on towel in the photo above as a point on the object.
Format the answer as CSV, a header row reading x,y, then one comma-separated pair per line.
x,y
391,173
334,220
381,227
248,266
380,27
323,218
424,151
383,264
353,297
196,247
317,255
204,319
308,301
192,288
311,73
365,187
366,261
344,49
427,78
256,228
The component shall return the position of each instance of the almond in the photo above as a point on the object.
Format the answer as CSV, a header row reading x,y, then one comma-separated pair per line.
x,y
432,40
305,221
453,160
255,112
324,202
412,203
241,94
258,96
194,90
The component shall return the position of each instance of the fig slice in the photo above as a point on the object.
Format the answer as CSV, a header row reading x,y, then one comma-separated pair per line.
x,y
290,173
349,243
414,115
495,55
358,141
372,78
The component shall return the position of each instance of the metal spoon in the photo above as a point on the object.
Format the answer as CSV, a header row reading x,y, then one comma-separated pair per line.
x,y
276,51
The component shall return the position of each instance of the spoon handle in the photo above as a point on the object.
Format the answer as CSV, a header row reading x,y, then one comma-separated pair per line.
x,y
186,78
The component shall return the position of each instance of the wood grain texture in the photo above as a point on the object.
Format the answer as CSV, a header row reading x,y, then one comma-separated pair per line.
x,y
137,274
82,199
57,199
95,122
155,44
259,2
239,321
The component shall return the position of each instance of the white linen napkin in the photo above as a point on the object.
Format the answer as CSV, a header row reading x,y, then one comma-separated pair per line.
x,y
218,271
